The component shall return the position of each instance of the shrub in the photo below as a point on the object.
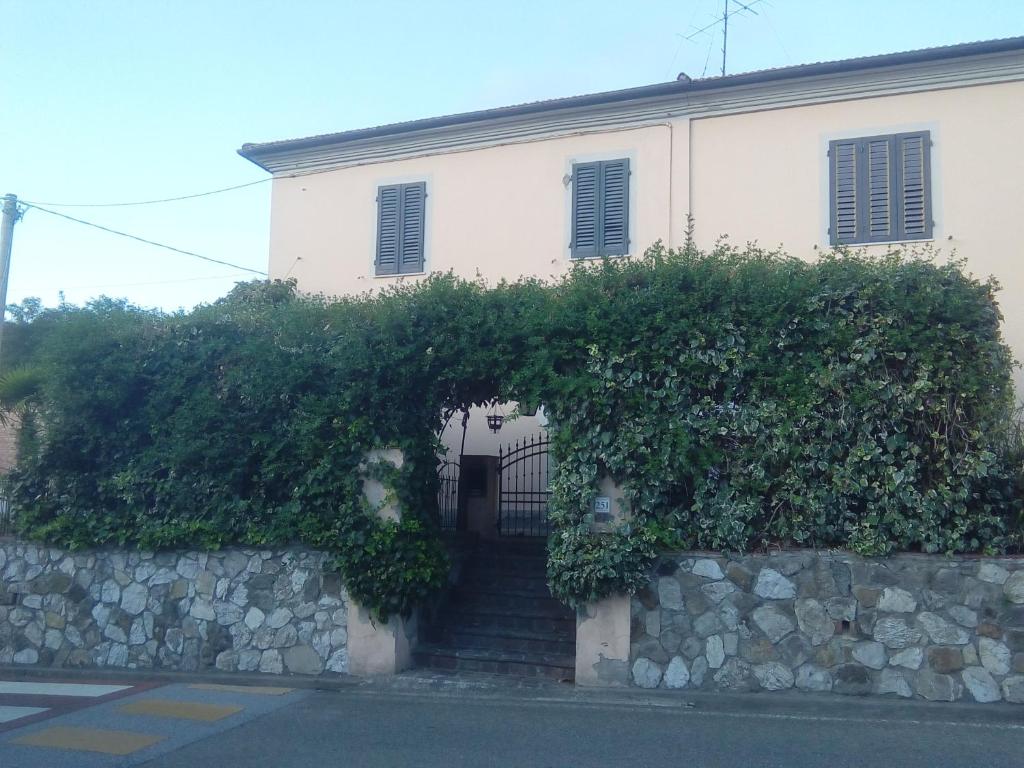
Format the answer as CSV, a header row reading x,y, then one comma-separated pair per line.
x,y
740,399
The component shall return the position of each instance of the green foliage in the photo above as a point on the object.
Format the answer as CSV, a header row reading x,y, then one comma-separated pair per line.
x,y
738,398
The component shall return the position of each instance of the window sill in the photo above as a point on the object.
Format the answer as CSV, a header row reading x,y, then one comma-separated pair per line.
x,y
883,242
596,258
400,274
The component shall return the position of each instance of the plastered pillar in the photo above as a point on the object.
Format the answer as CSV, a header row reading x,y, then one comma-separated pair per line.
x,y
602,643
376,647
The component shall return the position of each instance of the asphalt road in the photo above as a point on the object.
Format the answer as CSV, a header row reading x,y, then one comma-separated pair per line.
x,y
361,728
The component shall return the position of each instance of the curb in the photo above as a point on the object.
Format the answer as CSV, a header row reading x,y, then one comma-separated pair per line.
x,y
333,683
499,689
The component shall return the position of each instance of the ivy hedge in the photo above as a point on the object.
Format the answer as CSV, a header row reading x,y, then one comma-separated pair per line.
x,y
740,399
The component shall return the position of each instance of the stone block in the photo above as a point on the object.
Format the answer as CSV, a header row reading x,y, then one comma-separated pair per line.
x,y
709,569
773,622
812,678
866,596
677,675
772,585
896,600
773,676
938,687
646,673
941,631
945,659
736,675
894,632
714,651
1013,689
893,681
851,680
1013,588
814,621
995,656
842,608
871,654
670,594
740,576
981,685
992,573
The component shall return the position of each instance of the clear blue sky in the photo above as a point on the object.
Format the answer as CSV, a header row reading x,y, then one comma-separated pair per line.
x,y
111,100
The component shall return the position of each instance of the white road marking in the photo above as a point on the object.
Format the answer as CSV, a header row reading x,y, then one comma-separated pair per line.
x,y
59,689
8,714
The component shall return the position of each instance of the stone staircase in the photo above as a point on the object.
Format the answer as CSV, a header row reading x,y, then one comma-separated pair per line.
x,y
501,618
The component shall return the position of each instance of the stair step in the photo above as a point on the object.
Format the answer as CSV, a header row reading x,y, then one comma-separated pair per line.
x,y
532,547
554,666
506,582
458,620
514,606
509,640
508,600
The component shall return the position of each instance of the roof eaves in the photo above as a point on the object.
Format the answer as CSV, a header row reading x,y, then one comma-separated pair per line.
x,y
254,152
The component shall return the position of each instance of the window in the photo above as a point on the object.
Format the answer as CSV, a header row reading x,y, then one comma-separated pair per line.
x,y
880,189
600,209
401,211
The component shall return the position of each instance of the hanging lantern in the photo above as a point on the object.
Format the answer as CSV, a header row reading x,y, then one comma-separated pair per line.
x,y
495,418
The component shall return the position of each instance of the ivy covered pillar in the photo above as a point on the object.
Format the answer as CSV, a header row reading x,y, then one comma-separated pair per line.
x,y
376,647
603,626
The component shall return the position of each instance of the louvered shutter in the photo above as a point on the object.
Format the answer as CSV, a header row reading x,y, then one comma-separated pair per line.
x,y
914,185
843,197
413,208
880,189
388,215
614,197
880,177
585,194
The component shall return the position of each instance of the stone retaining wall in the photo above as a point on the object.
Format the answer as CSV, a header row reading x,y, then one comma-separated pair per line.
x,y
234,609
922,626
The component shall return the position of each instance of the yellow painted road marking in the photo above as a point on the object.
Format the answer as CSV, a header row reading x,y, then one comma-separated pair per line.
x,y
261,690
90,740
183,710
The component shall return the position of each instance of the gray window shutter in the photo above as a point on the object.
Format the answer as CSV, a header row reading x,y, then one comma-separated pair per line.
x,y
880,189
414,198
388,210
843,191
614,197
585,197
880,179
914,184
401,214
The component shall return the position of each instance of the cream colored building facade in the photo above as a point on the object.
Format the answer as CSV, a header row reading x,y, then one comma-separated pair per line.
x,y
747,156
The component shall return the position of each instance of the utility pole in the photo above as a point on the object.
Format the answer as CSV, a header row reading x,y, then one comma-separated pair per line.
x,y
10,215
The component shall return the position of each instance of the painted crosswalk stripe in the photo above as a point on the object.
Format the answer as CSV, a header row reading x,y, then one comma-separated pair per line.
x,y
256,690
90,740
10,714
181,710
78,690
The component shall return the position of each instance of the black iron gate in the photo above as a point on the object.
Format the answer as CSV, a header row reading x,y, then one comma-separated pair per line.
x,y
523,491
448,495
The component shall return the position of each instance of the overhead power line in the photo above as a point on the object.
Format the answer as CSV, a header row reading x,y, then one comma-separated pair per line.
x,y
151,202
152,282
144,240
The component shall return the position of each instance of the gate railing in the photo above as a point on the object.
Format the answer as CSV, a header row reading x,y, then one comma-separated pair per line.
x,y
523,492
6,516
448,495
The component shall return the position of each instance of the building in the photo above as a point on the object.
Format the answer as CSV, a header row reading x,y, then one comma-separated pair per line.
x,y
919,148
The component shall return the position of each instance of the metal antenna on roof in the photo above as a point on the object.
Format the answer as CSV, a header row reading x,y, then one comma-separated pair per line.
x,y
727,13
